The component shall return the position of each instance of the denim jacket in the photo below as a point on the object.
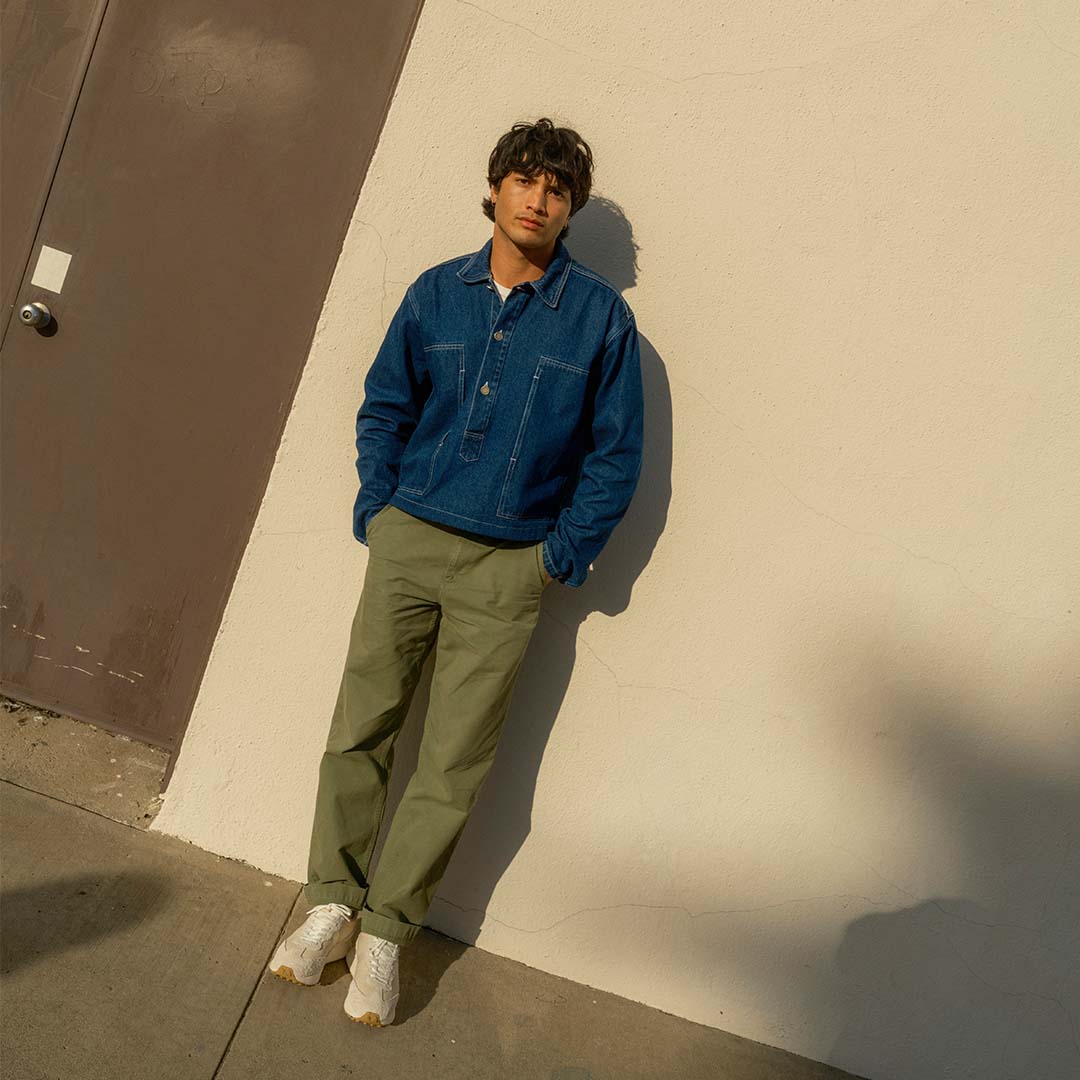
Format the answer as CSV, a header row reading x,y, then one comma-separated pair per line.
x,y
520,419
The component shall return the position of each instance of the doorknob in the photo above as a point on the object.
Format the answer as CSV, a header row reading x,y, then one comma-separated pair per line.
x,y
35,314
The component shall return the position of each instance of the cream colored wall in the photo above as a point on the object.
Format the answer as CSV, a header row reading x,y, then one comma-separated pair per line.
x,y
800,760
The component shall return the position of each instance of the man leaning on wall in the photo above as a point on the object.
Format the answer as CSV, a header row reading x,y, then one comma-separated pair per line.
x,y
498,445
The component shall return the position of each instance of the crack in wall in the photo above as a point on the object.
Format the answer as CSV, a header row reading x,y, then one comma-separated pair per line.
x,y
1045,620
929,900
385,269
665,907
1038,23
1019,994
620,686
562,46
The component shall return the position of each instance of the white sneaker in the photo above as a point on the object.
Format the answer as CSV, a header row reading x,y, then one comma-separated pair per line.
x,y
325,935
373,988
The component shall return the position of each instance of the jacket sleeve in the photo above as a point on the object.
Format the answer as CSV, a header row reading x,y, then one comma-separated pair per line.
x,y
610,470
395,388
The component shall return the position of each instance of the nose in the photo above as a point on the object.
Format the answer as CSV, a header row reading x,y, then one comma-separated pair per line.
x,y
537,201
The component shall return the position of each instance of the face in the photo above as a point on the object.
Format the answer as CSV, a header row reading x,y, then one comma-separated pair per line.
x,y
531,211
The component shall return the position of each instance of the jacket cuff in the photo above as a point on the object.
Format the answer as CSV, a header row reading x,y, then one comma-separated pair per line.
x,y
574,577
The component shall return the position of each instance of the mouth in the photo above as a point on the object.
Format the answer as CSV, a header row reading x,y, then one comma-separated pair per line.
x,y
530,223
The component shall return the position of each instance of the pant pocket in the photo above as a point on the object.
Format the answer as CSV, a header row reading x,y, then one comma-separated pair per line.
x,y
540,568
378,515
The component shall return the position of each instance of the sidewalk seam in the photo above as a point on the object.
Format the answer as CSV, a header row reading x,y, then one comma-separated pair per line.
x,y
258,983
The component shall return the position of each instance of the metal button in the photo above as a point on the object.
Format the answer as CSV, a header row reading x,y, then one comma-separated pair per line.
x,y
498,335
485,389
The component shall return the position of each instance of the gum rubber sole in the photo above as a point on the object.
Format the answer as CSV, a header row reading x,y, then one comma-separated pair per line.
x,y
369,1018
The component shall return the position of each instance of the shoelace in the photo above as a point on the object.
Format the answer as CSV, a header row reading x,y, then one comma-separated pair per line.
x,y
383,955
327,921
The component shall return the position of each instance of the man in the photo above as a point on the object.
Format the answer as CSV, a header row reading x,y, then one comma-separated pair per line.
x,y
499,444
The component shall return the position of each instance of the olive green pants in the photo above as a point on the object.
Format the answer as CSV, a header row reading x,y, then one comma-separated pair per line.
x,y
477,600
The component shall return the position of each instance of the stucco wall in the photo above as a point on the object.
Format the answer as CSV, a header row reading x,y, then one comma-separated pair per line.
x,y
800,760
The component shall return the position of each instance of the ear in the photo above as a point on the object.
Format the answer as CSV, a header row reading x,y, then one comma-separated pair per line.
x,y
494,191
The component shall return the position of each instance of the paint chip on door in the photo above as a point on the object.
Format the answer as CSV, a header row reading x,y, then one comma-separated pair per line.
x,y
51,269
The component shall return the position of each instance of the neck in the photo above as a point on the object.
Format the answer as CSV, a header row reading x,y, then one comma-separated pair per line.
x,y
511,265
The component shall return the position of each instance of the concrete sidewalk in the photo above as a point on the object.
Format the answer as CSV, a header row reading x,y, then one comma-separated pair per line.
x,y
131,955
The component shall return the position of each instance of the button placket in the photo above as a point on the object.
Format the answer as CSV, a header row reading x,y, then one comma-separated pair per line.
x,y
480,413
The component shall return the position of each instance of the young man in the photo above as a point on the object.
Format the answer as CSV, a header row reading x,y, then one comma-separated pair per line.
x,y
499,444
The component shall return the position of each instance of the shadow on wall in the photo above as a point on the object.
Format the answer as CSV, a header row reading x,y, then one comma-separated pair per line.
x,y
947,985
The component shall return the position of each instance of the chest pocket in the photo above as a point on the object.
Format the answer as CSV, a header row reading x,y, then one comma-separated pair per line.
x,y
549,444
446,366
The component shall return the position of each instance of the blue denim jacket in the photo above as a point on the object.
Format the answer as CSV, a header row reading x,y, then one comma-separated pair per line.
x,y
520,419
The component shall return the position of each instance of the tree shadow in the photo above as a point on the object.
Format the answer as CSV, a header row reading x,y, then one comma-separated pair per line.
x,y
947,984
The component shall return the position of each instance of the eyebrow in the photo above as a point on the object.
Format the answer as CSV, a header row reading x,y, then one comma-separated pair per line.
x,y
556,184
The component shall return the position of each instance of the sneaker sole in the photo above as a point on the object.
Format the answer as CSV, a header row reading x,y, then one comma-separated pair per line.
x,y
369,1018
286,973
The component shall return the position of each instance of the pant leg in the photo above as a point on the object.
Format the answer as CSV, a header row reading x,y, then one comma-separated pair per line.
x,y
392,632
490,606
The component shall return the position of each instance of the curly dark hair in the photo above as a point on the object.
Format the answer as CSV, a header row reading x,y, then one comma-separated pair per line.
x,y
542,147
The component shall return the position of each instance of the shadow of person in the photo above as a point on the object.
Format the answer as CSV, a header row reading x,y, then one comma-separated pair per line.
x,y
601,237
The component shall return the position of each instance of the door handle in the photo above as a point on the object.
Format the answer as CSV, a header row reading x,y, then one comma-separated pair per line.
x,y
35,314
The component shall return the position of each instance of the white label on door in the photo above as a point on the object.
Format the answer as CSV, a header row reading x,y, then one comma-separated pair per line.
x,y
51,269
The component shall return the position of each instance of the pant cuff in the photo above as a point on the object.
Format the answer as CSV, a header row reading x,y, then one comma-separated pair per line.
x,y
350,895
400,932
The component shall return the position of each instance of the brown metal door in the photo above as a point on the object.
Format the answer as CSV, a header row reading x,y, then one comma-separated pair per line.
x,y
197,210
44,50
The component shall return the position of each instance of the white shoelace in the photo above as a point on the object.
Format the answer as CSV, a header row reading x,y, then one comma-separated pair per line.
x,y
383,957
327,922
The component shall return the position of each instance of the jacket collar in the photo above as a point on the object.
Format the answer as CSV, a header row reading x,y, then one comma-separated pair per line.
x,y
549,287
